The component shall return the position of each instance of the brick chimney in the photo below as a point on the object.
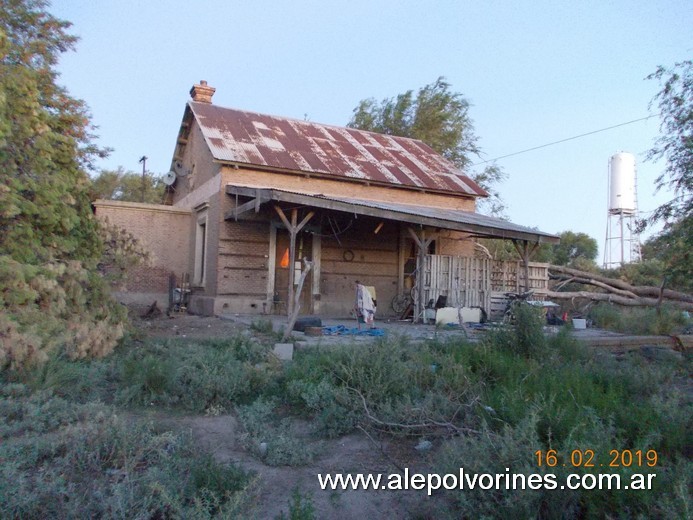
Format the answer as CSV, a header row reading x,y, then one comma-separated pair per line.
x,y
202,93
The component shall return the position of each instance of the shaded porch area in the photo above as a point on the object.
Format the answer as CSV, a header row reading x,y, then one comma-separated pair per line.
x,y
415,234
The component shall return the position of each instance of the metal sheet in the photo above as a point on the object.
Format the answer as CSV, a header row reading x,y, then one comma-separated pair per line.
x,y
288,144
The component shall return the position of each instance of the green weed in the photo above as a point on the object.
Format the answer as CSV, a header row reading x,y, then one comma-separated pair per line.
x,y
300,507
262,325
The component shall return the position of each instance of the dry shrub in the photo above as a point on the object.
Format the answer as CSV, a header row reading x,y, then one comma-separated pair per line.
x,y
121,251
52,308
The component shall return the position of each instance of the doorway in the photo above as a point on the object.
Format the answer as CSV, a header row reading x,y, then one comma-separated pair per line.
x,y
304,249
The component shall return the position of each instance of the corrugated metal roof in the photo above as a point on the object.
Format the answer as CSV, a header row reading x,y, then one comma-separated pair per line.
x,y
468,221
288,144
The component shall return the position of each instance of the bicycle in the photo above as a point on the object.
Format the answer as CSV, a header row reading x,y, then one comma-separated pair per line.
x,y
514,301
401,302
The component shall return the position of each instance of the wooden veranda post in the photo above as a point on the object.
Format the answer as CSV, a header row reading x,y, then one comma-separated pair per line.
x,y
525,250
422,243
293,227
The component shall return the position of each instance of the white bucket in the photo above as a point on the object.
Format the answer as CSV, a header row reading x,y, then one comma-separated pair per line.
x,y
579,323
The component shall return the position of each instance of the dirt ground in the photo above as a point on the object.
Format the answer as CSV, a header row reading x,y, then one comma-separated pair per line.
x,y
354,453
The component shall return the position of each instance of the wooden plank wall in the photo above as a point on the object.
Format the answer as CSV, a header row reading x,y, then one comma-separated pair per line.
x,y
464,280
509,276
479,282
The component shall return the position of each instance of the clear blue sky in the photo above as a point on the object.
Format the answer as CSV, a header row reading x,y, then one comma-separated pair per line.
x,y
535,72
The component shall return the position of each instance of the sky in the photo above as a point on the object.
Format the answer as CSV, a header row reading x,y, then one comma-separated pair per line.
x,y
534,72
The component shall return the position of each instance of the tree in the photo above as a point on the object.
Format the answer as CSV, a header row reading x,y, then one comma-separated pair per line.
x,y
438,117
127,186
574,248
671,247
51,296
675,144
671,250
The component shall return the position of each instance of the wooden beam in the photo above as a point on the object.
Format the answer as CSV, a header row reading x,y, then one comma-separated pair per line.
x,y
416,238
305,221
292,261
260,197
282,216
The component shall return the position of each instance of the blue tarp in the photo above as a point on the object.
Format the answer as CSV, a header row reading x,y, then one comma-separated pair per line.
x,y
341,330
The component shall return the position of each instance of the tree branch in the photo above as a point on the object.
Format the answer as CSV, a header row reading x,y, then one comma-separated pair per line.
x,y
419,426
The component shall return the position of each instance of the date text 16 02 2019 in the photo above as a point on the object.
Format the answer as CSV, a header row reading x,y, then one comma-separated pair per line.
x,y
589,459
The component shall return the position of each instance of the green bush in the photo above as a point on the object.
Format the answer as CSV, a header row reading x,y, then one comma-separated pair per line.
x,y
606,316
276,442
525,336
646,320
331,406
197,376
572,398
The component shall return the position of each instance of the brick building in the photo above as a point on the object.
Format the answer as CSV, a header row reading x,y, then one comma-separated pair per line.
x,y
251,195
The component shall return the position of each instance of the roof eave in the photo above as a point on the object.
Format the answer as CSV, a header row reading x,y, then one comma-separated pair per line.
x,y
479,230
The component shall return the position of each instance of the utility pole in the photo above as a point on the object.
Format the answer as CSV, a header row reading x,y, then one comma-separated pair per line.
x,y
143,160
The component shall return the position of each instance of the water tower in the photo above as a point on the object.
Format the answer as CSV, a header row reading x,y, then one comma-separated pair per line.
x,y
622,241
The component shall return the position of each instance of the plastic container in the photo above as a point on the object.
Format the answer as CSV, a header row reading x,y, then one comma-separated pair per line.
x,y
579,323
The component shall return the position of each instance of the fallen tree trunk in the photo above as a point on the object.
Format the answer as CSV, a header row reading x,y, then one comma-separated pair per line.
x,y
614,298
617,286
597,283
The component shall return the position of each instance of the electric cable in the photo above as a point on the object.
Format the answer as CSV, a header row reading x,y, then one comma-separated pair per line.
x,y
566,139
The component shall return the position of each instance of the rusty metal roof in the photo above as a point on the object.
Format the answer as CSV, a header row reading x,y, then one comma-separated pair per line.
x,y
467,221
248,138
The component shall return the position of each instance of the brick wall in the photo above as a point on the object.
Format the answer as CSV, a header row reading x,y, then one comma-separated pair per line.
x,y
340,187
163,231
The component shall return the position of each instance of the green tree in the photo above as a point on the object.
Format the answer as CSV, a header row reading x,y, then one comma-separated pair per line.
x,y
577,250
574,249
671,248
671,251
440,118
50,293
675,144
128,186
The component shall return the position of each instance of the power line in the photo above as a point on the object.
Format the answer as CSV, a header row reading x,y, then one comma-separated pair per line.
x,y
566,139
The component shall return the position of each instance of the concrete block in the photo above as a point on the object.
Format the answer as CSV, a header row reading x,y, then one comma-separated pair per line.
x,y
284,351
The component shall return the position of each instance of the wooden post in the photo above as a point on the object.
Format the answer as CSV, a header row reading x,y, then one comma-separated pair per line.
x,y
525,252
292,260
422,243
293,227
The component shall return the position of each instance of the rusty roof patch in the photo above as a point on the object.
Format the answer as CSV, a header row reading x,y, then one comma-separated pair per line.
x,y
289,144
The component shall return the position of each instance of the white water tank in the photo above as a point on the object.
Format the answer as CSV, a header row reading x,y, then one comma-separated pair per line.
x,y
622,184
